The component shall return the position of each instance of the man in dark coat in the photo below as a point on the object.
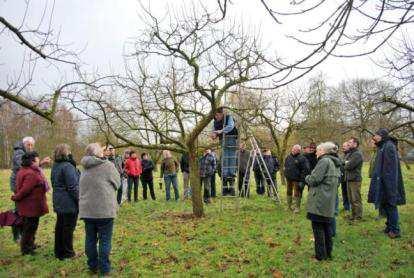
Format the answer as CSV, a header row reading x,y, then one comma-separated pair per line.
x,y
296,169
147,178
243,156
310,153
207,169
353,167
272,165
388,189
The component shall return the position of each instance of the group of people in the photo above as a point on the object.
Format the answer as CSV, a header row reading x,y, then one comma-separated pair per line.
x,y
95,195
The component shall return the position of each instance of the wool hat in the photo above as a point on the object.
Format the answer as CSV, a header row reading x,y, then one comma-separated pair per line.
x,y
383,132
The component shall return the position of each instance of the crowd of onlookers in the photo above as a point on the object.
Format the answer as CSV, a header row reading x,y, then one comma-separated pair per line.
x,y
108,179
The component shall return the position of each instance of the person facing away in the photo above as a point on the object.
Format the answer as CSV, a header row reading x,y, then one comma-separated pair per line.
x,y
296,168
207,168
243,156
169,169
110,154
353,167
19,149
323,184
147,179
133,170
224,125
30,197
185,169
387,186
98,206
65,183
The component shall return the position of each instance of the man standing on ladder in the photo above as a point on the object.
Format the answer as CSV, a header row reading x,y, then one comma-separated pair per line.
x,y
225,130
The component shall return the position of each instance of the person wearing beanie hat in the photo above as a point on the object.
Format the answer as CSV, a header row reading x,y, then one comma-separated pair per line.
x,y
387,187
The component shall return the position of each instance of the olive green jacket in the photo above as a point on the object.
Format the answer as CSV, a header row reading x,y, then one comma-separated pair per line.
x,y
323,186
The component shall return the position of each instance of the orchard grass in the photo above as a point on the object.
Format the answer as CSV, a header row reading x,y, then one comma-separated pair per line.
x,y
156,238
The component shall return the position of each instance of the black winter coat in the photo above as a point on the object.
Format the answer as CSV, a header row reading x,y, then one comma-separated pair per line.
x,y
184,163
296,167
147,168
65,183
312,160
387,186
272,164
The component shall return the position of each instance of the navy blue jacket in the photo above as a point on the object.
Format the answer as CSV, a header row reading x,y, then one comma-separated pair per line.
x,y
65,183
272,164
387,185
147,168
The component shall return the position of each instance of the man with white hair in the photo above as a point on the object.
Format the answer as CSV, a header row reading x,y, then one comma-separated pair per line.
x,y
19,149
296,168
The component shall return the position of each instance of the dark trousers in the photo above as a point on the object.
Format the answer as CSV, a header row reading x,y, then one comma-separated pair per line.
x,y
322,234
119,192
16,230
64,228
145,185
345,199
213,185
98,231
260,183
243,189
135,181
392,224
29,229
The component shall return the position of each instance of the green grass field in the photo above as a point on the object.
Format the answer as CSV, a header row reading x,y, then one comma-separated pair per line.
x,y
261,239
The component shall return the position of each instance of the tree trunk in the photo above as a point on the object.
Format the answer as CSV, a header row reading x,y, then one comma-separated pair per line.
x,y
196,198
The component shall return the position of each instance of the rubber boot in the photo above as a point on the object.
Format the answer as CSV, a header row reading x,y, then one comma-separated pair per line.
x,y
289,202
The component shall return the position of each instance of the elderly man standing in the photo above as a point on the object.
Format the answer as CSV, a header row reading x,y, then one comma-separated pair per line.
x,y
21,148
353,167
296,168
98,206
387,187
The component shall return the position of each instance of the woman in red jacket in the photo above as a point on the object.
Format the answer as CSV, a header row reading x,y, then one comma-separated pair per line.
x,y
30,196
133,170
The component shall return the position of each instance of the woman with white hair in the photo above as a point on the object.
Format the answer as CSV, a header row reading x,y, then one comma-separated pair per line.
x,y
98,206
323,185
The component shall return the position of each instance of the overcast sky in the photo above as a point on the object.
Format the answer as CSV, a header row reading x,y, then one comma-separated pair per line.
x,y
101,28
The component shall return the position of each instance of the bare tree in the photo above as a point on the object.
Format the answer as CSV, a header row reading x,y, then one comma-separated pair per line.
x,y
41,47
176,77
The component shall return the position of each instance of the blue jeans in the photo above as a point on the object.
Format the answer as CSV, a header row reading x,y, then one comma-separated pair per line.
x,y
229,156
392,218
98,230
171,179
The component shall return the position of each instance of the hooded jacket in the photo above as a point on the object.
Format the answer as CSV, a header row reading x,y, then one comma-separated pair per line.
x,y
18,152
98,184
323,186
387,186
133,167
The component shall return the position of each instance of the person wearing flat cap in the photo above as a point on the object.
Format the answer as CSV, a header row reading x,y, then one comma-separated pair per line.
x,y
387,187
